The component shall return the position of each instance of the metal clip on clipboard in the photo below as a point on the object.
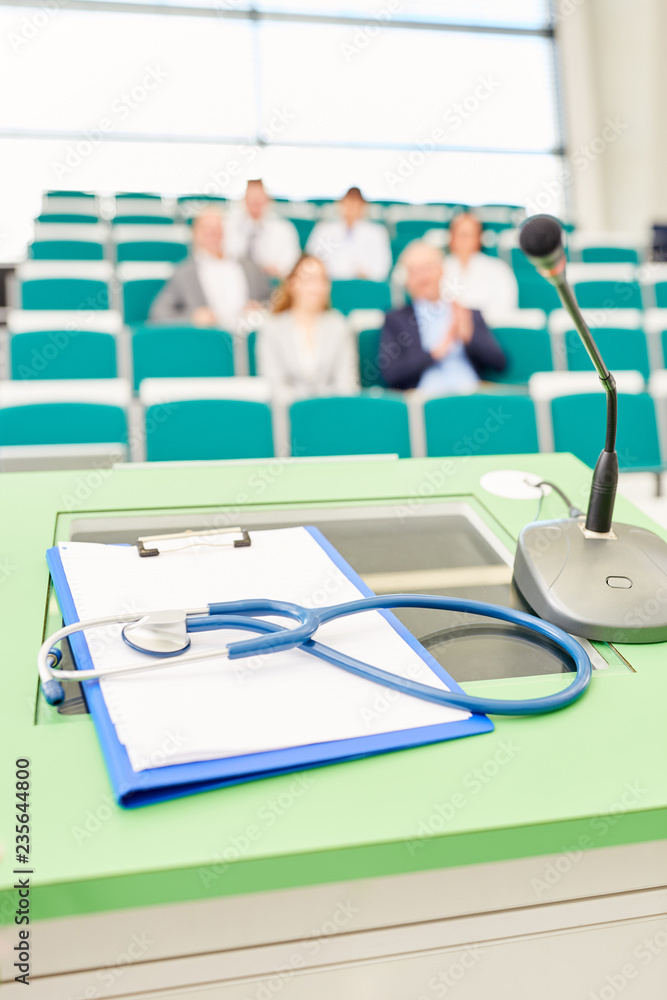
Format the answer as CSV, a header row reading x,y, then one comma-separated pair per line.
x,y
144,551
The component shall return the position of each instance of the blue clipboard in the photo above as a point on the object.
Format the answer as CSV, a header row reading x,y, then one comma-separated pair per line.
x,y
138,788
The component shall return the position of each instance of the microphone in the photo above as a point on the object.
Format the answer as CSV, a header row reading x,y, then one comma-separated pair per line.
x,y
541,239
599,580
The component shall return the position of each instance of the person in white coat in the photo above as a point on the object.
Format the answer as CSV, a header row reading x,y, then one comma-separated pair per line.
x,y
255,232
475,279
305,348
352,246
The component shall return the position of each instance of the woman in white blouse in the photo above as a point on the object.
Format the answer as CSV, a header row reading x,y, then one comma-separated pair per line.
x,y
305,348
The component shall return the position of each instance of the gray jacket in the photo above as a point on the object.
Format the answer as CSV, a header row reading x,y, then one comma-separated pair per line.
x,y
183,293
331,370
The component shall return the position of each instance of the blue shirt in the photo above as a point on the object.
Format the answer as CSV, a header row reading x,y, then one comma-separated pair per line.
x,y
452,374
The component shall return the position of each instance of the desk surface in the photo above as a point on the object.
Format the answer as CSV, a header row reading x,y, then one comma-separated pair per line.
x,y
591,775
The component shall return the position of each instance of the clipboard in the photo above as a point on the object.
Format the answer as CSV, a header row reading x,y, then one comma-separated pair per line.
x,y
138,788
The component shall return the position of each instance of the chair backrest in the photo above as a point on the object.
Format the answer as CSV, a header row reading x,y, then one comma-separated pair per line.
x,y
251,348
138,296
62,423
358,293
480,424
142,220
653,280
606,247
80,218
64,293
369,367
527,351
579,425
610,255
206,429
66,250
168,251
608,294
350,425
59,354
188,351
605,286
535,292
304,227
622,349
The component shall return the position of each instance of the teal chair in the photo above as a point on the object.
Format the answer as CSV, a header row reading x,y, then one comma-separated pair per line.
x,y
350,425
84,218
66,250
70,194
496,226
62,423
251,345
608,294
610,255
527,352
63,354
535,292
131,195
181,351
579,422
622,350
369,349
203,429
208,198
520,263
156,251
408,230
360,294
64,293
522,266
142,220
138,296
304,227
480,424
661,294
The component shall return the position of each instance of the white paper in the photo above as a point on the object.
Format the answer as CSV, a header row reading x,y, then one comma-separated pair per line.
x,y
221,707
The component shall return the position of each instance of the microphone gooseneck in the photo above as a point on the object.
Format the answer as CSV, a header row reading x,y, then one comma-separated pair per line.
x,y
541,239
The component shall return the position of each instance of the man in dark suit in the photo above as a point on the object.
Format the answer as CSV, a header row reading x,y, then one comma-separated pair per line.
x,y
434,344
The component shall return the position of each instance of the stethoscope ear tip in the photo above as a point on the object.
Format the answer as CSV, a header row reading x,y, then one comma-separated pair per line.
x,y
53,692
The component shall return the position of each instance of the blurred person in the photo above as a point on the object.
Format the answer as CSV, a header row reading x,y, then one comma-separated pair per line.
x,y
482,282
352,247
209,289
435,345
305,348
256,232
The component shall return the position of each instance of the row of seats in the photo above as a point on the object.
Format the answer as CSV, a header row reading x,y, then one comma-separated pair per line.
x,y
233,418
139,238
184,206
52,345
132,286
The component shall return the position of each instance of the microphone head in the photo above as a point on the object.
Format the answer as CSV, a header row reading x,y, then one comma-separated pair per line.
x,y
540,236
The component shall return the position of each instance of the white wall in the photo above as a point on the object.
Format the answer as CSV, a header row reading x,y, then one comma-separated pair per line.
x,y
614,77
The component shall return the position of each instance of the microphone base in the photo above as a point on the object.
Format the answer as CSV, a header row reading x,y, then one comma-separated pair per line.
x,y
612,588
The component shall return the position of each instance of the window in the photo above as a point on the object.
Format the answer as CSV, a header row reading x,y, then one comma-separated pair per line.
x,y
416,100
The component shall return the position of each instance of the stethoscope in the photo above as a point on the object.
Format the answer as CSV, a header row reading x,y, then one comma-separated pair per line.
x,y
164,635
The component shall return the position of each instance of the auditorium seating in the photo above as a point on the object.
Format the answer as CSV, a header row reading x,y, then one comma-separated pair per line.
x,y
480,424
350,425
80,318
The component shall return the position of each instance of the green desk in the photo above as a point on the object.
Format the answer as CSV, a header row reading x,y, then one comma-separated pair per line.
x,y
476,864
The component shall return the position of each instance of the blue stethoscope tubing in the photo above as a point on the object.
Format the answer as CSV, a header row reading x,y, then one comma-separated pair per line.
x,y
242,615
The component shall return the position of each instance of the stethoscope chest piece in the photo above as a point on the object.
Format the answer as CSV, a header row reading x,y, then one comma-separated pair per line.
x,y
160,633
